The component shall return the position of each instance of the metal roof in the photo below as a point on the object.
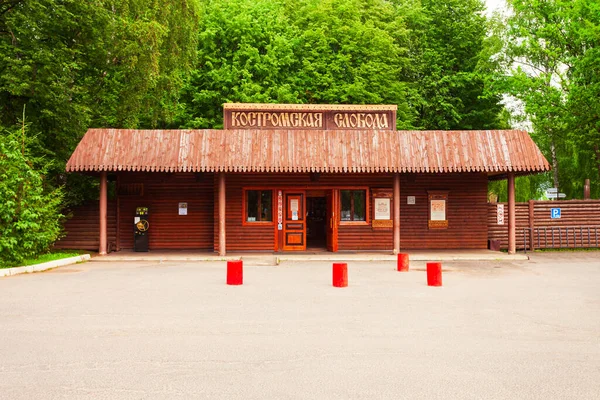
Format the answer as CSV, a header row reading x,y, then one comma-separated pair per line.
x,y
494,152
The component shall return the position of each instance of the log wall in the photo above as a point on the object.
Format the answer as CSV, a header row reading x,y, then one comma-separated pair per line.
x,y
82,229
467,211
162,193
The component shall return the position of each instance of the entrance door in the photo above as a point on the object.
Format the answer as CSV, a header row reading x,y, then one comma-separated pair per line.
x,y
332,231
294,224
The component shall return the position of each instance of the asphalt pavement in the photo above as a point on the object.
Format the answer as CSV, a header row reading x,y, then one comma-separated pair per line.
x,y
175,330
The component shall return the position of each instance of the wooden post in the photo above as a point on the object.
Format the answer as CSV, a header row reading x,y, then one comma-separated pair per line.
x,y
396,213
222,241
586,190
118,211
103,213
531,224
512,239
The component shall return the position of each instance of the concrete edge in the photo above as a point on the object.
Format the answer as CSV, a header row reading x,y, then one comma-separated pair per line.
x,y
164,259
43,266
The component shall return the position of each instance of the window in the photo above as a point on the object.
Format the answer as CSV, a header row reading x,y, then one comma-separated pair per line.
x,y
354,205
259,205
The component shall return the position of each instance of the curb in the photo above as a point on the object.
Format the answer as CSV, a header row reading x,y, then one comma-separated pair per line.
x,y
43,266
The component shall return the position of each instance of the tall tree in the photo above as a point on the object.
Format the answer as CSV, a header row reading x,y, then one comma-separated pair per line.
x,y
454,58
77,64
551,49
302,51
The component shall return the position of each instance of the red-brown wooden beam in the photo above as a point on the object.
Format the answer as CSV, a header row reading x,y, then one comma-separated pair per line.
x,y
396,213
103,213
222,240
512,240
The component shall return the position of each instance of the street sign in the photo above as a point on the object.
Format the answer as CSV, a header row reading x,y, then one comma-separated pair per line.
x,y
556,195
554,213
552,190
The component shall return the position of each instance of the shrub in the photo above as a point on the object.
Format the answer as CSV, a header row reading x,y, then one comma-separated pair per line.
x,y
30,219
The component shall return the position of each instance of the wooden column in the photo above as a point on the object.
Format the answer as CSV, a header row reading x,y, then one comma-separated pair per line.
x,y
103,213
222,241
512,239
586,190
396,213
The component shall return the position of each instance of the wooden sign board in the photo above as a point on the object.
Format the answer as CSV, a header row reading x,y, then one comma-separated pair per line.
x,y
438,203
309,116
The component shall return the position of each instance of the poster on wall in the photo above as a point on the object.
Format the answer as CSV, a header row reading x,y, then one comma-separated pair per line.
x,y
438,210
438,207
183,207
383,208
294,208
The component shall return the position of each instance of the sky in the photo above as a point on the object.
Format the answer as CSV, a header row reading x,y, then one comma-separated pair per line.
x,y
493,5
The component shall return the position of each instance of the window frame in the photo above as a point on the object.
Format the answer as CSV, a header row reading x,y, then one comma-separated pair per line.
x,y
367,220
437,195
245,221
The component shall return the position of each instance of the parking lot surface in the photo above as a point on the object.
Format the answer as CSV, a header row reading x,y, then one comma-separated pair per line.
x,y
175,330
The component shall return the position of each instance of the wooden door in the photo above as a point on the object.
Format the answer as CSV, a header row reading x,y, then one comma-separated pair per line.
x,y
294,221
332,231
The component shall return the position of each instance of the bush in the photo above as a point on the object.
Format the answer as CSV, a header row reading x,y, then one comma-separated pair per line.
x,y
30,219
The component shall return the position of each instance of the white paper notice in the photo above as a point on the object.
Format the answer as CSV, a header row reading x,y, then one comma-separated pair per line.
x,y
438,210
382,208
183,208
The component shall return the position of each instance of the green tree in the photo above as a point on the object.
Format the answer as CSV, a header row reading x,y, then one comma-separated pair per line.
x,y
77,64
305,51
551,55
454,58
29,208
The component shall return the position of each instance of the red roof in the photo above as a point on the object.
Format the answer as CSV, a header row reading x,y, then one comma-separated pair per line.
x,y
493,152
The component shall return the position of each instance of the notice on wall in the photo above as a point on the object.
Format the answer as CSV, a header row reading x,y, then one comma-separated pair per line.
x,y
383,208
438,210
183,209
410,200
294,207
500,214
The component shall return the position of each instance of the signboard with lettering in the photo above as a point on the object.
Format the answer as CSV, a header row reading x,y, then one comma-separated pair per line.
x,y
555,213
309,116
500,214
279,210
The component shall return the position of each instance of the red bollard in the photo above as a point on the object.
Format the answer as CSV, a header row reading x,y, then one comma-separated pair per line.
x,y
340,275
402,262
434,274
235,272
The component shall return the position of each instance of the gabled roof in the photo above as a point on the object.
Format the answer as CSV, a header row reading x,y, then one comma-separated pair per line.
x,y
493,152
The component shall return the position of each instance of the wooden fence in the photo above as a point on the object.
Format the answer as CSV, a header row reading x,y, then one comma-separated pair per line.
x,y
577,227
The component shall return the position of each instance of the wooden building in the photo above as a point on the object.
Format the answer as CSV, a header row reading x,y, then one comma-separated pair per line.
x,y
298,177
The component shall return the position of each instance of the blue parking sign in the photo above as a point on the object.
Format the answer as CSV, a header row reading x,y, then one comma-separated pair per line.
x,y
555,213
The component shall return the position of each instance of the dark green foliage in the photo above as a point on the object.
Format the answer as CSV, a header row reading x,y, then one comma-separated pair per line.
x,y
97,63
298,52
454,60
29,208
551,55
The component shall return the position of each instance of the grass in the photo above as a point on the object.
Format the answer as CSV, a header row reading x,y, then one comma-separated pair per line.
x,y
567,249
55,255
